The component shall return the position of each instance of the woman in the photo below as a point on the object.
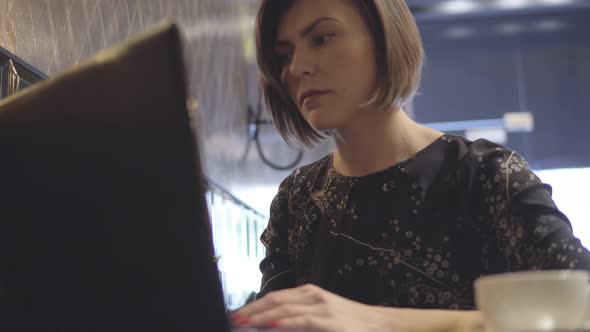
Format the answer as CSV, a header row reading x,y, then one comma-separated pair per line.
x,y
390,230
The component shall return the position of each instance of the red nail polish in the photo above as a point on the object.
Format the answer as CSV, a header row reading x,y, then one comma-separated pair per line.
x,y
273,325
242,322
235,316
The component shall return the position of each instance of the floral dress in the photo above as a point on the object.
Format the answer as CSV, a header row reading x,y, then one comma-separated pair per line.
x,y
418,233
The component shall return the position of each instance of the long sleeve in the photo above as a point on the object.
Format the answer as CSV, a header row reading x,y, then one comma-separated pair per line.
x,y
525,227
277,270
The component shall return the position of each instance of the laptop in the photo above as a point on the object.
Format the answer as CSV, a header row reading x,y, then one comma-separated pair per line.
x,y
103,220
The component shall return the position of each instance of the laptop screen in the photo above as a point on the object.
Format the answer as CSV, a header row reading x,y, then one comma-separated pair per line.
x,y
103,220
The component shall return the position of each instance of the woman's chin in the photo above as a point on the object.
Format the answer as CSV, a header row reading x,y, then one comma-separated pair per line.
x,y
320,123
322,126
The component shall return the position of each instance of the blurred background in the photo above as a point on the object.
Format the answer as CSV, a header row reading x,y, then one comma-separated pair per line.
x,y
513,71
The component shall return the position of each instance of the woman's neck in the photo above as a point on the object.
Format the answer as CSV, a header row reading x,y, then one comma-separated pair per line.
x,y
377,140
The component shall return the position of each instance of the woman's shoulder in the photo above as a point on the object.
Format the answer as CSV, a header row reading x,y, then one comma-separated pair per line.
x,y
483,153
494,167
308,173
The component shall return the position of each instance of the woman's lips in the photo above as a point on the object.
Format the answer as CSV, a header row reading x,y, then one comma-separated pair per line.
x,y
311,97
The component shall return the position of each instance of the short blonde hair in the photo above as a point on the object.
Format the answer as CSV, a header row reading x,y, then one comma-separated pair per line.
x,y
399,57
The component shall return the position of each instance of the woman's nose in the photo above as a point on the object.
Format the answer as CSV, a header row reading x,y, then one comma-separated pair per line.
x,y
302,65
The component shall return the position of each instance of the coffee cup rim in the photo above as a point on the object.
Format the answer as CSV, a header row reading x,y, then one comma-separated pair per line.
x,y
538,275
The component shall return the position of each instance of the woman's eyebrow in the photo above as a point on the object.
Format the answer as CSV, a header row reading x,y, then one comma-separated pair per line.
x,y
305,31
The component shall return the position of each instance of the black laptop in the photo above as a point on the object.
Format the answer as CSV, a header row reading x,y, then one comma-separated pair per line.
x,y
103,220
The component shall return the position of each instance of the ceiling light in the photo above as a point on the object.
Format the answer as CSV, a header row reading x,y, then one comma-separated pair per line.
x,y
549,25
513,4
459,32
556,2
510,28
457,6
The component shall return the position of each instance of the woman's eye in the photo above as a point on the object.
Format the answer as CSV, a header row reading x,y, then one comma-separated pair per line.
x,y
285,58
321,40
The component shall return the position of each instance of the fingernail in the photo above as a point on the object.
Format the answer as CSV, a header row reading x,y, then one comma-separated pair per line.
x,y
273,325
235,316
242,322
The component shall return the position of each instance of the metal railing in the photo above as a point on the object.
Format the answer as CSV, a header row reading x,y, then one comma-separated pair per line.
x,y
236,232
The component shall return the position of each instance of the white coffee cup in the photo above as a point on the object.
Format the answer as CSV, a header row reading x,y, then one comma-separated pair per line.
x,y
533,300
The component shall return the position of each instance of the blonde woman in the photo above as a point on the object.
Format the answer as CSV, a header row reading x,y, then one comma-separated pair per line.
x,y
389,231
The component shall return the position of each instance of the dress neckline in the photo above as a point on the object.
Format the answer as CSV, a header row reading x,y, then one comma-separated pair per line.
x,y
399,166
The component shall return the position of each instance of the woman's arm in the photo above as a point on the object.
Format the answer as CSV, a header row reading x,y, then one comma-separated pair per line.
x,y
418,320
277,270
310,308
518,217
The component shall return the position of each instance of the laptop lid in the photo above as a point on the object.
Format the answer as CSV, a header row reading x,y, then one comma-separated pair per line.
x,y
103,220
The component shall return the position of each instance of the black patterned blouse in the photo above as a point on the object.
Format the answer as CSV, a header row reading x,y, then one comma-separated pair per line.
x,y
418,233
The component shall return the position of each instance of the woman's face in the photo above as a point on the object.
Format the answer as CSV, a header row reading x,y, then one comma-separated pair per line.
x,y
328,61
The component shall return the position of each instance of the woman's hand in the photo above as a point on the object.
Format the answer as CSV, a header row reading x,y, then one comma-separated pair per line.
x,y
310,308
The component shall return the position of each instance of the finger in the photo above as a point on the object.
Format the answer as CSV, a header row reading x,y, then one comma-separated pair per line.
x,y
273,299
307,323
276,314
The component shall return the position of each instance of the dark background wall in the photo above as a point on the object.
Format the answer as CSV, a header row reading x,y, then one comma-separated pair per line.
x,y
483,67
